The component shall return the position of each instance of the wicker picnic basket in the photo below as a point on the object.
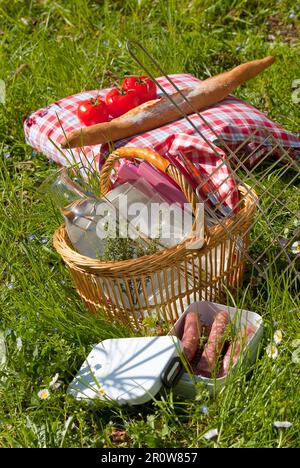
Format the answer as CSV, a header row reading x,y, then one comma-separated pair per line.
x,y
162,284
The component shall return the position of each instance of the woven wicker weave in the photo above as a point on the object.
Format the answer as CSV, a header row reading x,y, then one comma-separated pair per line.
x,y
164,283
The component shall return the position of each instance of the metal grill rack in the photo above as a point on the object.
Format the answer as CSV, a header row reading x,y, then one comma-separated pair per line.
x,y
275,176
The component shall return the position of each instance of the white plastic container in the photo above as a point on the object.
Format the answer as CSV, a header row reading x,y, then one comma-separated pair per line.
x,y
207,311
128,370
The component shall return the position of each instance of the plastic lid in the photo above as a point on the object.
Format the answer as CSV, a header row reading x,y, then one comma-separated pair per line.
x,y
128,370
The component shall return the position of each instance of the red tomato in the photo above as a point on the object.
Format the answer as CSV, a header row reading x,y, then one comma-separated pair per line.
x,y
92,111
120,101
144,87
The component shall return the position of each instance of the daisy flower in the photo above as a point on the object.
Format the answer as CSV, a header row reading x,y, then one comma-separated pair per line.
x,y
272,351
277,337
101,392
211,434
296,247
44,394
282,424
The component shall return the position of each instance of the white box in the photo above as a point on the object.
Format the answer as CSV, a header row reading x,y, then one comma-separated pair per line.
x,y
129,371
207,311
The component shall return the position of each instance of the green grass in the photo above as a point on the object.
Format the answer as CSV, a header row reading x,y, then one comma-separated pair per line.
x,y
70,46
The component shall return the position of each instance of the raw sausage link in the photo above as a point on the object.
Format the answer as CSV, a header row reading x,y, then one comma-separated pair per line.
x,y
234,350
191,335
213,347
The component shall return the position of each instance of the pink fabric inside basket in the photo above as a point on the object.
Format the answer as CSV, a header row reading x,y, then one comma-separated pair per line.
x,y
164,187
233,120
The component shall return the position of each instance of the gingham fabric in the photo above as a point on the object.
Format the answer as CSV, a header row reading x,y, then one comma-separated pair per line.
x,y
232,120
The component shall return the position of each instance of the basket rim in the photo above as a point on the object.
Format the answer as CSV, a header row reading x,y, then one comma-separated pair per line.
x,y
62,244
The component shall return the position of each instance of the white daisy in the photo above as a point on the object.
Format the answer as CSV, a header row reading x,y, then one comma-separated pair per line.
x,y
272,351
212,434
44,394
296,248
282,424
101,392
277,337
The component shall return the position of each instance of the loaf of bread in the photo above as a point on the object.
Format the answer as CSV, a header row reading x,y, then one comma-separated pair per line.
x,y
158,112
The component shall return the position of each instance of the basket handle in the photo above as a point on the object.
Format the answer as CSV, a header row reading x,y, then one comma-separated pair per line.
x,y
154,158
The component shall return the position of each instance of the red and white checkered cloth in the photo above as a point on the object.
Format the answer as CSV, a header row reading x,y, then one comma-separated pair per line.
x,y
232,120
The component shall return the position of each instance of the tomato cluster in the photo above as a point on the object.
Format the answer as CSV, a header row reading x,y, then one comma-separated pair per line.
x,y
134,91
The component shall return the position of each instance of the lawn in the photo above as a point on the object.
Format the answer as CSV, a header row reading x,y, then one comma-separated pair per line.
x,y
49,50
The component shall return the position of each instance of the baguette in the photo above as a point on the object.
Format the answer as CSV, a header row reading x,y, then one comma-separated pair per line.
x,y
158,112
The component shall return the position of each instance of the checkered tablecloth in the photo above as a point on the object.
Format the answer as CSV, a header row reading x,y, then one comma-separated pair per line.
x,y
232,120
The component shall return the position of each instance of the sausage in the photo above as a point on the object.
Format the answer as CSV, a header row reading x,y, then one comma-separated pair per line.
x,y
234,350
214,345
191,335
